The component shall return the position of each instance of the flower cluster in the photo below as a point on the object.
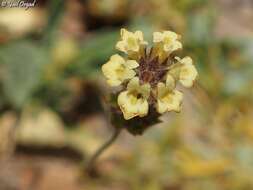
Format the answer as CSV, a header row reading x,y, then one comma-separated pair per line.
x,y
147,74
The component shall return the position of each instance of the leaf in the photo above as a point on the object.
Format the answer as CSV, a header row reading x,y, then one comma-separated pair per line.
x,y
56,10
22,64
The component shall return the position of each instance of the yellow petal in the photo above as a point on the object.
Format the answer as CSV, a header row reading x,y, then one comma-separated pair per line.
x,y
188,72
170,101
121,46
170,82
133,84
113,82
162,90
174,71
171,35
116,72
109,69
145,90
130,42
122,98
142,107
157,37
128,74
133,102
117,58
188,75
131,64
175,45
125,105
185,60
139,35
131,106
161,107
124,33
168,39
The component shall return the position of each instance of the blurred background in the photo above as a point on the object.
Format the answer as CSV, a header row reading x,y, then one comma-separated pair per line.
x,y
51,114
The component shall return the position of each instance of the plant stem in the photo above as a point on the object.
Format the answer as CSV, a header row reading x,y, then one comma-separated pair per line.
x,y
91,163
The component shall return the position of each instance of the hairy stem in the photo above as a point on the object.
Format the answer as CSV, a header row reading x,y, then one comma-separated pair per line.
x,y
91,163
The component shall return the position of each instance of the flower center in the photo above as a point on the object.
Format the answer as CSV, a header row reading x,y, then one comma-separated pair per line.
x,y
151,70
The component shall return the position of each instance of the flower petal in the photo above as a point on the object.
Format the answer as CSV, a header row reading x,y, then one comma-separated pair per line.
x,y
170,82
128,74
188,75
130,42
116,72
121,46
157,37
131,64
109,69
171,35
168,39
161,90
188,72
139,35
133,84
125,105
145,90
169,102
142,107
176,45
124,33
117,58
131,106
113,82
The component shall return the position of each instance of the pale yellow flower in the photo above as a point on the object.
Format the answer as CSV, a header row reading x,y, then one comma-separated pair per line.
x,y
134,101
149,74
117,70
188,72
168,99
130,41
168,40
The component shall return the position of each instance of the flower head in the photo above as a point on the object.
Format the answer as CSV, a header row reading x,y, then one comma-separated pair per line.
x,y
149,78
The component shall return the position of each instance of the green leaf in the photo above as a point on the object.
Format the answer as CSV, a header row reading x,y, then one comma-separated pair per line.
x,y
22,68
56,10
